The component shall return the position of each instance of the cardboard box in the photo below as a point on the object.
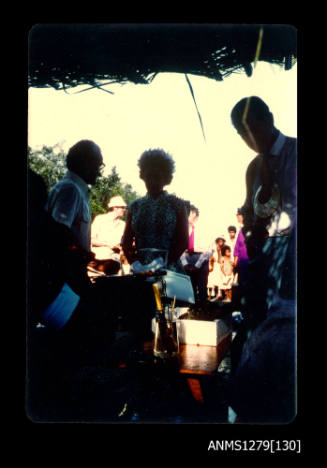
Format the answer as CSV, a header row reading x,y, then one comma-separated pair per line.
x,y
202,332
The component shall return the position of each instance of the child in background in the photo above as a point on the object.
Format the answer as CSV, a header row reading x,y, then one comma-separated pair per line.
x,y
220,242
215,275
227,269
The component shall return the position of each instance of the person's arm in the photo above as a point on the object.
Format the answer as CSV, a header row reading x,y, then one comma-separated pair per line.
x,y
63,204
205,256
64,207
95,242
219,254
181,237
128,240
96,236
203,246
247,208
254,229
236,249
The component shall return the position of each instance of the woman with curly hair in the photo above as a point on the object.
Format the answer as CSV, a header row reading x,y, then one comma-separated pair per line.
x,y
158,220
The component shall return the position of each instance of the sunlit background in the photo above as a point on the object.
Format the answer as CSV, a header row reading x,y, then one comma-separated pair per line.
x,y
210,172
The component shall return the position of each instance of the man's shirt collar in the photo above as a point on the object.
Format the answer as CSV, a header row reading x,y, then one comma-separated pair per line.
x,y
277,146
79,181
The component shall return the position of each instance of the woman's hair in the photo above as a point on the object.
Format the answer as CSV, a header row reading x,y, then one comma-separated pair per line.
x,y
195,210
218,239
224,249
160,159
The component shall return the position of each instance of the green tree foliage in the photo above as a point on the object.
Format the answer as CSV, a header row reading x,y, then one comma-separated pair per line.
x,y
50,163
107,187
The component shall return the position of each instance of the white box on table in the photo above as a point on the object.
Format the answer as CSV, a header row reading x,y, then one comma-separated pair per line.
x,y
202,332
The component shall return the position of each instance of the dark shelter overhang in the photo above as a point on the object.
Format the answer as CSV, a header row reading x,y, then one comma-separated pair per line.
x,y
67,55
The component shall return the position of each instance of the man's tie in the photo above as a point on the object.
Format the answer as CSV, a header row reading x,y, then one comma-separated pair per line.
x,y
191,242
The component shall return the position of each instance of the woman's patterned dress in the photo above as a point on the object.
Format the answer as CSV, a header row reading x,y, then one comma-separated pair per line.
x,y
154,225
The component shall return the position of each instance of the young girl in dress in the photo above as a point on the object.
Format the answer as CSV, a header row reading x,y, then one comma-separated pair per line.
x,y
214,278
227,269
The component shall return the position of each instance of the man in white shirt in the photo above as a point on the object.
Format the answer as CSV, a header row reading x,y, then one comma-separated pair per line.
x,y
69,200
68,204
196,259
107,231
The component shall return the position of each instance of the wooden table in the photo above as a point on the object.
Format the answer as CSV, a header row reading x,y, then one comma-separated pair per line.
x,y
198,360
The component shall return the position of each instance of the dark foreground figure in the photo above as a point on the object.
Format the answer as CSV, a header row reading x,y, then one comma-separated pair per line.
x,y
264,351
92,368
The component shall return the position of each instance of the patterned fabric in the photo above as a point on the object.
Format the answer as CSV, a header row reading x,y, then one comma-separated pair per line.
x,y
264,210
154,224
282,162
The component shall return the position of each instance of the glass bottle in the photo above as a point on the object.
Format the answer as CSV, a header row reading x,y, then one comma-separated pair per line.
x,y
165,339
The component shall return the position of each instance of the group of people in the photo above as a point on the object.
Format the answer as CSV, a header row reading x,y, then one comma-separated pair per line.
x,y
262,252
213,269
224,266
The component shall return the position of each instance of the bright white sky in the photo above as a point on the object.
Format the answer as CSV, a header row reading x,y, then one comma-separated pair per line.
x,y
211,173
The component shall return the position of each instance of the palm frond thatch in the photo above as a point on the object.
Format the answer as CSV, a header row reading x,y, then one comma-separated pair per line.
x,y
64,56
